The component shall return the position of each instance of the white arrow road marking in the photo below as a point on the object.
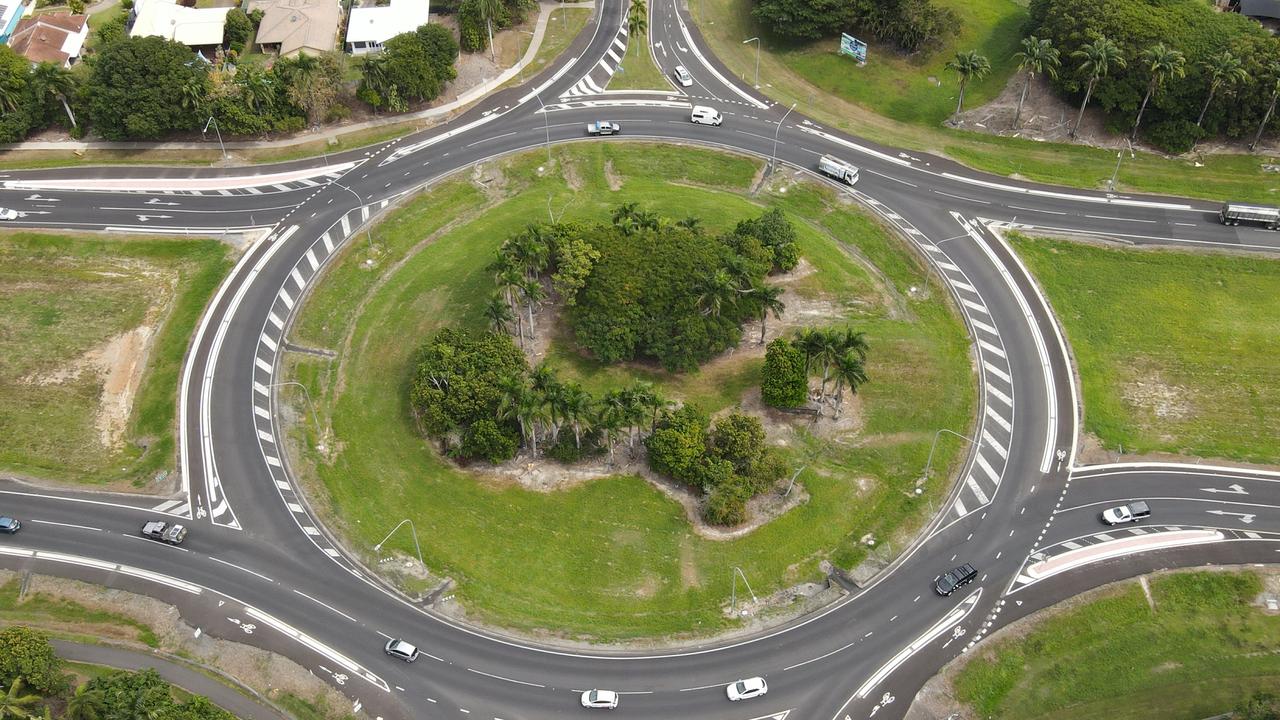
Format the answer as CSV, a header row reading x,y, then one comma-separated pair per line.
x,y
1231,490
949,620
157,201
144,218
1245,518
37,197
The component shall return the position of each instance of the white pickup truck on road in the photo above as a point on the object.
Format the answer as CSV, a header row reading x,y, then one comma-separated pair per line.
x,y
603,127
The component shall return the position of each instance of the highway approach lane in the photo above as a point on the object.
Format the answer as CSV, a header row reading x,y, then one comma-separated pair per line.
x,y
260,569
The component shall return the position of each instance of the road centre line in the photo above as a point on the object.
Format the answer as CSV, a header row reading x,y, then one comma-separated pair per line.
x,y
1035,210
68,498
890,177
820,657
238,567
1108,217
1219,501
702,687
504,679
1123,468
961,197
71,525
326,605
155,208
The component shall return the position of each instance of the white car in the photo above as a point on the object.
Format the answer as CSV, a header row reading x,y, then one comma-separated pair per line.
x,y
1133,512
401,649
747,689
682,76
606,699
7,214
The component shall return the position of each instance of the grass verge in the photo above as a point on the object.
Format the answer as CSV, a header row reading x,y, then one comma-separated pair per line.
x,y
1201,650
68,618
532,560
1176,350
65,300
638,71
894,101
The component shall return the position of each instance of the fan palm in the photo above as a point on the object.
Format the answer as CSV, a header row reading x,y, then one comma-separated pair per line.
x,y
769,300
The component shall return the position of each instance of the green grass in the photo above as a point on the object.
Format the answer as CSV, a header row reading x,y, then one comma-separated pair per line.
x,y
62,296
300,709
1201,651
562,27
64,617
532,560
638,70
1177,351
892,101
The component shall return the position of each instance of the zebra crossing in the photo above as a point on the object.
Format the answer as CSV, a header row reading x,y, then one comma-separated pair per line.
x,y
598,77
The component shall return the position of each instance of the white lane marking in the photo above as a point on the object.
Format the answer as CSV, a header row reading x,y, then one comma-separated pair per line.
x,y
347,663
326,605
986,467
1108,217
997,372
977,491
991,348
999,419
950,619
702,687
820,657
266,340
263,365
275,320
72,525
266,436
961,197
960,509
241,568
983,326
261,412
1000,449
975,306
999,395
505,679
297,277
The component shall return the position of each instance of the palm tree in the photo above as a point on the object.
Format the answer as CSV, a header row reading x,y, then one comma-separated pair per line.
x,y
489,10
531,412
531,289
54,82
1162,62
1224,69
498,313
15,703
853,341
579,411
511,280
637,19
769,300
717,292
969,66
1274,69
1099,57
850,372
1037,56
194,90
256,87
513,404
647,399
85,704
690,223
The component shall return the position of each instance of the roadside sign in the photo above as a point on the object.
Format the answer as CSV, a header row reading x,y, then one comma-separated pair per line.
x,y
853,47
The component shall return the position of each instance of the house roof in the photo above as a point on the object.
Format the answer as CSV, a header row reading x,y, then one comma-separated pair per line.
x,y
298,24
49,38
193,27
379,24
1260,8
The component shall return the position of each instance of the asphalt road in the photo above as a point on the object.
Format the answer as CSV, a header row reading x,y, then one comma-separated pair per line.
x,y
257,567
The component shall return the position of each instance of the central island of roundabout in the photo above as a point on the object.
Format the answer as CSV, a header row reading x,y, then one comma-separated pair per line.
x,y
630,393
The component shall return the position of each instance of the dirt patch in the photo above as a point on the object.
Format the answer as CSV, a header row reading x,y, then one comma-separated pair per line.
x,y
490,178
572,174
266,673
612,177
1149,393
689,577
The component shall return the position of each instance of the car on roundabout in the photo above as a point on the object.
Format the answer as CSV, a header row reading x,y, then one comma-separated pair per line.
x,y
682,76
10,525
398,648
602,699
747,689
951,580
1132,512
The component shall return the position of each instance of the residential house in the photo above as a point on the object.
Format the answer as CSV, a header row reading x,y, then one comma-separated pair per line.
x,y
290,27
200,29
11,12
51,38
370,27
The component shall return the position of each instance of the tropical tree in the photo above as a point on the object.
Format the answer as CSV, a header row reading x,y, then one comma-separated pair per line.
x,y
1038,56
969,66
610,418
769,300
54,82
850,372
717,292
1274,69
637,19
498,313
1224,70
533,293
489,11
256,87
1162,62
15,703
578,409
1098,58
85,703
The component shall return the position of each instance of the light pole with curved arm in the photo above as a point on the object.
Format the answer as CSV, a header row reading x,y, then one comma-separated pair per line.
x,y
412,530
314,416
773,159
757,42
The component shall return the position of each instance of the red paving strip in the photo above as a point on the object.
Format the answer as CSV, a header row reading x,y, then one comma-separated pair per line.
x,y
1118,548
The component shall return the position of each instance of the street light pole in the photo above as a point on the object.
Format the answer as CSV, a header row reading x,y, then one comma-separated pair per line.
x,y
314,416
934,446
1111,184
734,602
413,530
773,159
214,123
757,42
546,123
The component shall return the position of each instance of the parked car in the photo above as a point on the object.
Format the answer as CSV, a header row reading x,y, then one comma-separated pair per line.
x,y
606,699
949,581
1133,512
398,648
603,127
8,214
747,689
682,76
9,525
164,532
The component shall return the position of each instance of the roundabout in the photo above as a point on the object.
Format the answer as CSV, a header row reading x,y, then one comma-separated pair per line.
x,y
256,550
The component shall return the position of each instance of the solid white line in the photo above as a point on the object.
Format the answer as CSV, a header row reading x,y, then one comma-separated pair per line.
x,y
961,197
71,525
1133,467
77,500
702,687
504,679
326,605
1035,210
238,567
820,657
1108,217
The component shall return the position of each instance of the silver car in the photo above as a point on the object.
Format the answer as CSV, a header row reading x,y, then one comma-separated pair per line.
x,y
682,76
401,649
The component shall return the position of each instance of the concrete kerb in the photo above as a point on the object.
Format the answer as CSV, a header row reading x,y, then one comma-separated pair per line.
x,y
462,101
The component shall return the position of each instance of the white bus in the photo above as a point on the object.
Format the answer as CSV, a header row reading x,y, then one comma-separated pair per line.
x,y
1232,213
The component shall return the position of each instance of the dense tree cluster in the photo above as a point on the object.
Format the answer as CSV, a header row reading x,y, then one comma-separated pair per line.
x,y
33,684
144,87
729,462
1177,70
1261,705
836,356
910,25
478,19
412,67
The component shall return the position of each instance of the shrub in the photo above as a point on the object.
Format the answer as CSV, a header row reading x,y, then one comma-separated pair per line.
x,y
679,444
27,654
485,440
236,30
726,507
783,381
1174,136
738,438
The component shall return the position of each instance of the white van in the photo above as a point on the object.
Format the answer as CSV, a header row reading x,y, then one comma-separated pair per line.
x,y
706,115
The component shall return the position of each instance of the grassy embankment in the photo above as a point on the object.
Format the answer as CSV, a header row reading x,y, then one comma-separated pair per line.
x,y
1196,654
1176,350
638,71
63,299
901,102
550,560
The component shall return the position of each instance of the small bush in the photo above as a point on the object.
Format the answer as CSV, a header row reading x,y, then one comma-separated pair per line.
x,y
725,507
485,440
1174,136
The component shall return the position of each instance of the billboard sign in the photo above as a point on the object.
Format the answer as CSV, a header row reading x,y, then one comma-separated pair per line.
x,y
853,47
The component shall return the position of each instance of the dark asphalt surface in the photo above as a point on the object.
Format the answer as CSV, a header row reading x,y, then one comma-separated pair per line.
x,y
257,567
